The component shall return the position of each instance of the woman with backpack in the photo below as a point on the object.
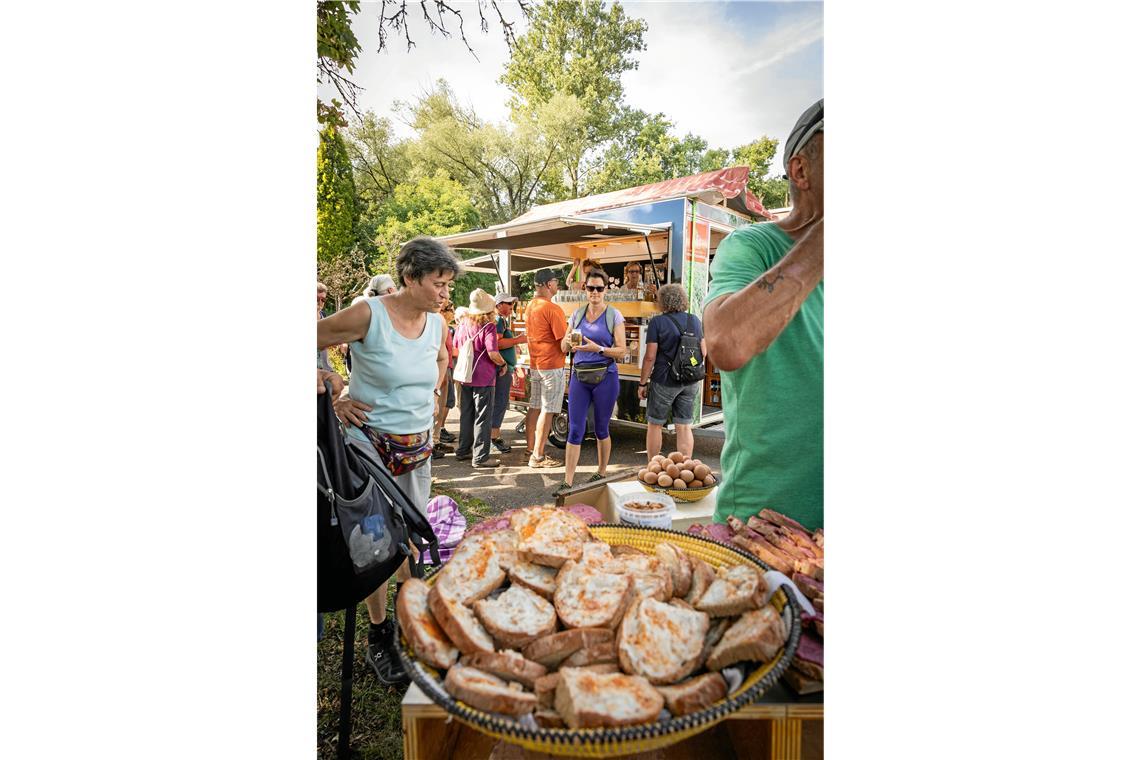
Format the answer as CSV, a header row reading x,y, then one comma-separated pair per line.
x,y
673,370
596,337
476,370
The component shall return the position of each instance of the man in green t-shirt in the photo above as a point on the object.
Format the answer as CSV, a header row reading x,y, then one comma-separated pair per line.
x,y
764,327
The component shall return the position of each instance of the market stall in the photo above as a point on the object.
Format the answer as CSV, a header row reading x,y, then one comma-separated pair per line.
x,y
670,229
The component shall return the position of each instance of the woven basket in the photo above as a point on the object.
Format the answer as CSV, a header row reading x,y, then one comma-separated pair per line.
x,y
606,742
681,494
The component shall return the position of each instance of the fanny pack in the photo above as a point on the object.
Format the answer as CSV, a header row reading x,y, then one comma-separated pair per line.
x,y
590,374
400,453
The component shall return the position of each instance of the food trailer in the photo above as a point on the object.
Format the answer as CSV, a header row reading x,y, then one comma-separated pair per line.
x,y
672,228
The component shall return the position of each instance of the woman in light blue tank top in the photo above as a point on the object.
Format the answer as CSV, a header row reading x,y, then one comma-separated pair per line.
x,y
399,361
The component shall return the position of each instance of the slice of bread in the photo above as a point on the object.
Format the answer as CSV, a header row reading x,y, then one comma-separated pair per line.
x,y
507,547
516,617
486,692
651,577
625,549
427,638
737,589
703,576
507,664
758,635
679,566
538,578
473,571
694,695
595,553
717,627
545,687
458,621
588,598
551,650
549,536
592,655
586,699
661,642
548,718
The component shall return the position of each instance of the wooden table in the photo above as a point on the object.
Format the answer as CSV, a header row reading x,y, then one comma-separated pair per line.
x,y
780,726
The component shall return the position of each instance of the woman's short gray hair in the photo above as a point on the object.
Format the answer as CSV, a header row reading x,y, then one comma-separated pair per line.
x,y
422,256
672,298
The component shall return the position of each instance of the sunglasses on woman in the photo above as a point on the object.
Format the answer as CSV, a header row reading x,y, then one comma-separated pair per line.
x,y
595,288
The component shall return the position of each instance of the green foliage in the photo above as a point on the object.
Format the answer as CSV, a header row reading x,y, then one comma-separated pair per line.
x,y
645,151
758,156
435,205
572,56
336,197
773,192
337,48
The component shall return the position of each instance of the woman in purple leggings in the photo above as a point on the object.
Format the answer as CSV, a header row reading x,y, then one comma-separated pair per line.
x,y
595,359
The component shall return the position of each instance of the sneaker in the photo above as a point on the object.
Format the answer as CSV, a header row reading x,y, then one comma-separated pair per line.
x,y
446,436
501,445
438,453
561,489
445,448
544,462
489,462
461,455
381,654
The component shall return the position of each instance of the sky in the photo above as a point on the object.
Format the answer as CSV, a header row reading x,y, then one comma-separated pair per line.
x,y
728,72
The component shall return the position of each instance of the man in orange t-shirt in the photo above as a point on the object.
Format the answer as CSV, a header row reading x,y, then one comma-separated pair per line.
x,y
545,328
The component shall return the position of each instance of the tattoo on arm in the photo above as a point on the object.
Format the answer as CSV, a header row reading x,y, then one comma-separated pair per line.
x,y
769,286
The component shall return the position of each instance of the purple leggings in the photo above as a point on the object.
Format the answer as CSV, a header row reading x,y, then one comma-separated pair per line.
x,y
604,395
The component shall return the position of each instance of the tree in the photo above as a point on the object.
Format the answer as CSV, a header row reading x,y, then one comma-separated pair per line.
x,y
435,205
337,45
336,197
645,152
502,169
344,276
574,48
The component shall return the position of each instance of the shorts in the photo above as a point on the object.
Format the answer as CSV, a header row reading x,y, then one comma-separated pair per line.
x,y
676,398
547,387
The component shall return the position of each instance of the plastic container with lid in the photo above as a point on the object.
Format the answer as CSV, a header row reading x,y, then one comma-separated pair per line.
x,y
661,517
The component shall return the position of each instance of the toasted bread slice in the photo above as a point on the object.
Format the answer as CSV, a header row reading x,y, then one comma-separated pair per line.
x,y
651,577
538,578
516,617
694,695
486,692
595,553
717,627
507,664
549,536
592,655
545,687
703,576
758,635
661,642
679,602
551,650
586,699
737,589
507,547
588,598
620,549
679,566
458,621
427,638
473,571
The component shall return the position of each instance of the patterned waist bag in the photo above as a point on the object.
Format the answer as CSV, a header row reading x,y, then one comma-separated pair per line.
x,y
400,453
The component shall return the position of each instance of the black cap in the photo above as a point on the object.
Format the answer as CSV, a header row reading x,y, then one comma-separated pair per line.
x,y
810,122
543,276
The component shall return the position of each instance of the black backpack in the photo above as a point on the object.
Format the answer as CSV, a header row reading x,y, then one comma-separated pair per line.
x,y
364,520
688,364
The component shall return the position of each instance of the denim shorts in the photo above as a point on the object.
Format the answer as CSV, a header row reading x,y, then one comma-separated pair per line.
x,y
676,398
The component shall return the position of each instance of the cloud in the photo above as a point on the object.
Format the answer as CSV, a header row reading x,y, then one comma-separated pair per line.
x,y
790,40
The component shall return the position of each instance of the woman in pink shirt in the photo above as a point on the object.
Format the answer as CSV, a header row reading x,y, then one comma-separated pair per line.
x,y
477,325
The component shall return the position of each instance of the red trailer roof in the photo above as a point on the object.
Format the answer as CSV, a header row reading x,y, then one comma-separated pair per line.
x,y
729,184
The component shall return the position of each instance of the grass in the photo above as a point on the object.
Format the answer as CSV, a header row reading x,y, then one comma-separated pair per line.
x,y
377,732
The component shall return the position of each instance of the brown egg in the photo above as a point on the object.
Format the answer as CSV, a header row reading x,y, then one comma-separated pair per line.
x,y
702,471
649,477
674,471
655,468
677,457
687,465
679,484
710,481
661,460
696,463
687,476
642,473
664,480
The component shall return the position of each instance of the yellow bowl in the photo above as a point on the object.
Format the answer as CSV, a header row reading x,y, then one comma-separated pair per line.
x,y
681,494
606,742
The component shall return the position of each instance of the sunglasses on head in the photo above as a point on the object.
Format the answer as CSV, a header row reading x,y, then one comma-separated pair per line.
x,y
595,288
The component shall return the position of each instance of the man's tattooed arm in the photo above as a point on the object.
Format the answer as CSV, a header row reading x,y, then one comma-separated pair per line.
x,y
766,285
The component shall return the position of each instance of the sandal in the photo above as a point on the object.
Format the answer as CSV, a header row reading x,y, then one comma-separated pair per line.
x,y
561,489
595,476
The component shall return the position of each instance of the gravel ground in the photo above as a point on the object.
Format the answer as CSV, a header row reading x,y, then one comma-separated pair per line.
x,y
514,484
